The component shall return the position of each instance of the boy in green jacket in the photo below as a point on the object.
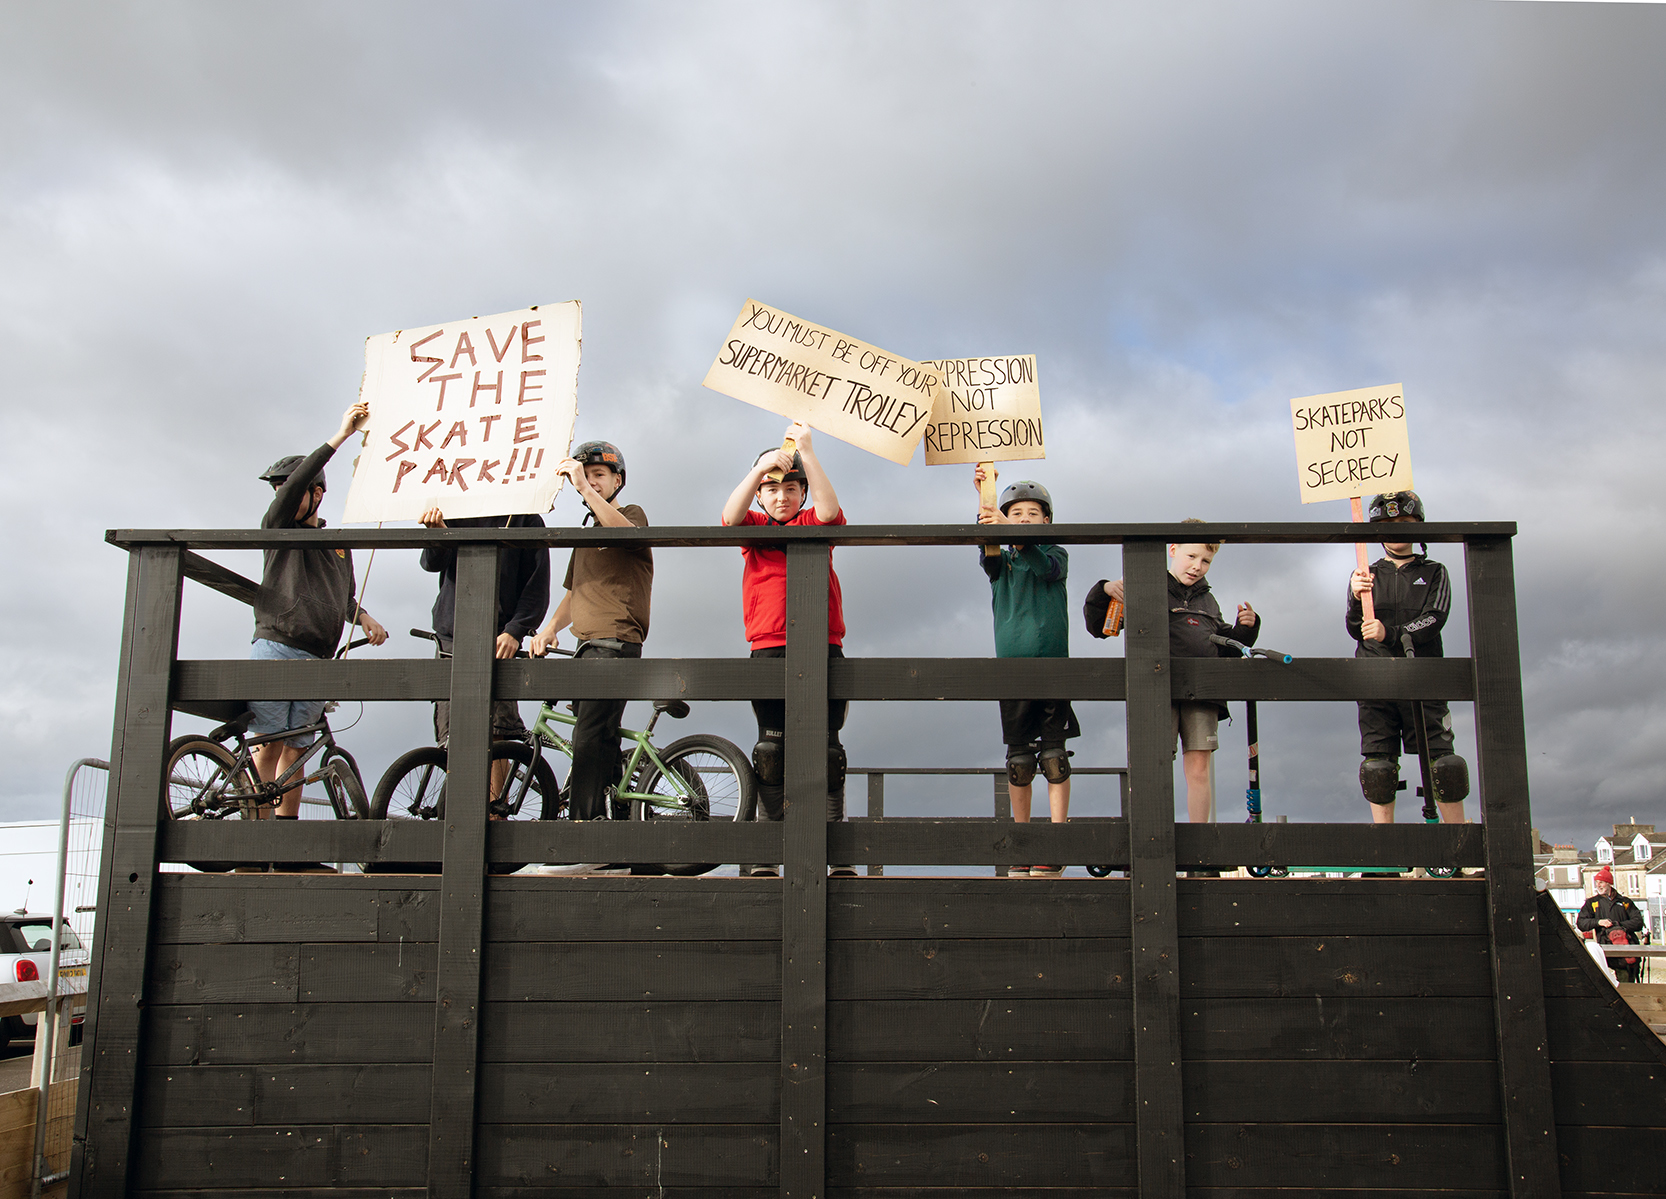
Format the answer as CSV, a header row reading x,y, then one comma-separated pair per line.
x,y
1032,620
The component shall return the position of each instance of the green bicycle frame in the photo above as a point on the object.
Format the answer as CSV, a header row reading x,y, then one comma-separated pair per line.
x,y
685,799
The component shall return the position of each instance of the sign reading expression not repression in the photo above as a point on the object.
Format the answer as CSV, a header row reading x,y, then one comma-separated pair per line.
x,y
469,417
988,410
1352,443
846,388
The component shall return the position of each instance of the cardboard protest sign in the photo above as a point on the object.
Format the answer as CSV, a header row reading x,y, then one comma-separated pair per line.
x,y
988,410
840,386
1350,443
470,416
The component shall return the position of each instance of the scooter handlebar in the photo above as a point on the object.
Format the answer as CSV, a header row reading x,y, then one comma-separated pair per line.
x,y
1251,652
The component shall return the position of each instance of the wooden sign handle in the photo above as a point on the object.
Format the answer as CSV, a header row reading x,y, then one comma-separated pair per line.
x,y
986,499
1365,603
790,447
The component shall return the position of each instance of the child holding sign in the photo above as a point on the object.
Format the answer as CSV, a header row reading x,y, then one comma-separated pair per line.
x,y
1032,620
1412,597
781,482
1194,617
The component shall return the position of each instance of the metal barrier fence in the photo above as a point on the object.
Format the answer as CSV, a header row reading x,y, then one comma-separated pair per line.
x,y
58,1063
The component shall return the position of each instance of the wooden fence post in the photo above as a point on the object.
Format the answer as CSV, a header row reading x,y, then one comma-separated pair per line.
x,y
103,1147
804,880
1159,1127
451,1124
1512,904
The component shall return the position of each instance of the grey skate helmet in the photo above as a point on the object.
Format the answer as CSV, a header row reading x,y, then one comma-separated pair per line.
x,y
280,470
1027,489
796,474
602,453
1394,504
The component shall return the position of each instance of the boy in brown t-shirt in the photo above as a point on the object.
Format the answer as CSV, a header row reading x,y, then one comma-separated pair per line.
x,y
608,590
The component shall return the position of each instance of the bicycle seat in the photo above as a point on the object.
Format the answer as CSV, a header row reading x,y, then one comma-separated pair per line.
x,y
676,709
233,728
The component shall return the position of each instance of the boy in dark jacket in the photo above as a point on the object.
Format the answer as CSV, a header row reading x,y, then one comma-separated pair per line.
x,y
1194,617
1413,596
1608,913
305,598
1031,621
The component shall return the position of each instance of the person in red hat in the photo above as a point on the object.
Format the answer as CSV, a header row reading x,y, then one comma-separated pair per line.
x,y
1613,920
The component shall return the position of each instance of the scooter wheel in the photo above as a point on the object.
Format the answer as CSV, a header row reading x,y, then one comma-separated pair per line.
x,y
1098,871
1259,871
1278,872
1441,871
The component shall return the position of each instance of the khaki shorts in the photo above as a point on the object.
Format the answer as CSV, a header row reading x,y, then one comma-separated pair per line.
x,y
1196,725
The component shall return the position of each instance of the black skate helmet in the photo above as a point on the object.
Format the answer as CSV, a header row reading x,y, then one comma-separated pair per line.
x,y
280,470
1026,489
1394,504
602,453
795,475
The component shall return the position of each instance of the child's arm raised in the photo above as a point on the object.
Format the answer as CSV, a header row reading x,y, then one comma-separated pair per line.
x,y
821,488
740,499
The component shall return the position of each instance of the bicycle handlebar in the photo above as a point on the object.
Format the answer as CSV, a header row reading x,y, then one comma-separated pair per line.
x,y
430,635
1250,651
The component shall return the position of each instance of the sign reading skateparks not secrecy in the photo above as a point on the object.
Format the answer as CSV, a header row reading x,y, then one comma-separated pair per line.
x,y
843,387
1352,443
469,417
988,410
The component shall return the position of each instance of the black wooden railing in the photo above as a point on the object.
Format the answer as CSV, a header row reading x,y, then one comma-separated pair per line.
x,y
1147,842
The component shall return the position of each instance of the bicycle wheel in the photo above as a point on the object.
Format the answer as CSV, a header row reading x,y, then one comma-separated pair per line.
x,y
203,782
713,781
528,790
346,788
412,789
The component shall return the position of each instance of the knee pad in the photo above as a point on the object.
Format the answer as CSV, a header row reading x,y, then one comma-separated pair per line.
x,y
1379,779
837,760
1021,765
1055,763
1451,775
769,758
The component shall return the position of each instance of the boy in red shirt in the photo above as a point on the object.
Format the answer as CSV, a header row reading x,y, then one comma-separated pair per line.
x,y
763,588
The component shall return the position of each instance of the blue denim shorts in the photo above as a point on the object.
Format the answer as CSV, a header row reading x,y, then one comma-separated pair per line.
x,y
276,715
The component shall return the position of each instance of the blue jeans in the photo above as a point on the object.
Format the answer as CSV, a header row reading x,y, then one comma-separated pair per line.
x,y
276,715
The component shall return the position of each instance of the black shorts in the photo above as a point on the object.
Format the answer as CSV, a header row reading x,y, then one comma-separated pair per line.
x,y
1387,725
1026,721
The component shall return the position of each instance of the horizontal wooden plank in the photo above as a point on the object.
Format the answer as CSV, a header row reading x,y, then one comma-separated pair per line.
x,y
1019,1192
306,1155
1589,1029
525,908
715,536
1338,1029
949,1030
1326,680
1353,845
1332,907
1082,968
1321,967
1341,1092
912,679
333,1192
629,1092
228,1096
223,974
261,841
17,1110
367,973
223,909
931,908
411,913
256,1034
1340,1157
977,842
732,1031
633,970
1621,1094
639,1191
1610,1160
995,1092
961,1156
633,841
614,1155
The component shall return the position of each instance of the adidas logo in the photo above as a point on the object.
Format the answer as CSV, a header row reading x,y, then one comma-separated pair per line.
x,y
1420,583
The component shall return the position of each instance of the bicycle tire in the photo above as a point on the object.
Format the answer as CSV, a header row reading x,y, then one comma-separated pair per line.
x,y
413,788
196,764
717,771
346,773
541,794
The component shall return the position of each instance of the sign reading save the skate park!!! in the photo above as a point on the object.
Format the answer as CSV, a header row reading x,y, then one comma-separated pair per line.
x,y
1352,443
845,388
470,416
988,410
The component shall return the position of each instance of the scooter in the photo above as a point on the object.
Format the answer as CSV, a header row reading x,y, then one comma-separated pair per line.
x,y
1252,796
1431,815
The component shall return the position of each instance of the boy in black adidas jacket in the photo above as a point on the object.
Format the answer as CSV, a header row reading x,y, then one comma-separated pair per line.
x,y
1413,596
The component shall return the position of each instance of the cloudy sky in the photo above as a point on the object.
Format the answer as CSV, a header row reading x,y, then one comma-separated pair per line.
x,y
1190,212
